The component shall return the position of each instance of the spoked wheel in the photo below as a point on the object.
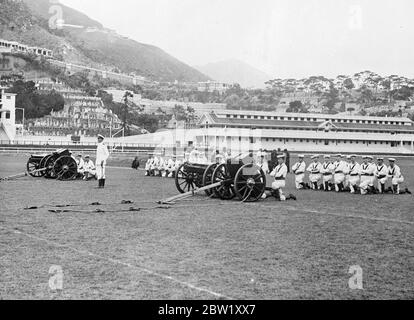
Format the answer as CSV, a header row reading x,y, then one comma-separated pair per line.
x,y
184,181
48,164
65,168
225,191
32,166
250,183
208,178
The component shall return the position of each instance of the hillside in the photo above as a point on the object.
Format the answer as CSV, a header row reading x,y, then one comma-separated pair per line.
x,y
27,22
235,71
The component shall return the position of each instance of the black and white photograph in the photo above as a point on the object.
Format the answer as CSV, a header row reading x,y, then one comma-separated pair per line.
x,y
206,151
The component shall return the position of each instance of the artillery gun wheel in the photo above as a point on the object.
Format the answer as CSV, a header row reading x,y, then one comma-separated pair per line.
x,y
33,166
48,164
250,183
184,181
65,168
225,191
208,178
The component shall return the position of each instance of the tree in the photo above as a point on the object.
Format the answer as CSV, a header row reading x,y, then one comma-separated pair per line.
x,y
125,100
296,107
34,104
179,113
349,84
350,110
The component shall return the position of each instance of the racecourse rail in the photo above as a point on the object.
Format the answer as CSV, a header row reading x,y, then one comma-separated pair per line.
x,y
31,147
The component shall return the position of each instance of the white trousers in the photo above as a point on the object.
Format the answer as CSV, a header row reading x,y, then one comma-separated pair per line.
x,y
299,180
314,177
396,181
353,180
100,170
365,182
278,184
327,178
339,178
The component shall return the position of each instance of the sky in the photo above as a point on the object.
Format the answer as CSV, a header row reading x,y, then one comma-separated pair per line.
x,y
284,38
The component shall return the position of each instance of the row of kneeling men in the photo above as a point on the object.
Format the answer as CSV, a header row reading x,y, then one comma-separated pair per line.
x,y
162,167
345,174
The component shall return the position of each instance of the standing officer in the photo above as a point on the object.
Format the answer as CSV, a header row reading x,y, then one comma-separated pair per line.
x,y
298,170
315,169
102,155
381,173
327,173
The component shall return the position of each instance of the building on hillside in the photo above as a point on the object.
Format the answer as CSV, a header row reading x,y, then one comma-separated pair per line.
x,y
246,130
7,115
82,115
167,107
16,47
213,86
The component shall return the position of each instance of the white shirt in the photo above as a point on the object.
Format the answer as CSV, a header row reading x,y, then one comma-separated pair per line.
x,y
381,171
315,168
280,172
102,153
89,165
368,169
299,167
394,172
340,167
263,164
327,168
354,169
80,163
193,157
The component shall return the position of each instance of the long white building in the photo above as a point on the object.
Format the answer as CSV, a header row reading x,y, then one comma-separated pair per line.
x,y
247,130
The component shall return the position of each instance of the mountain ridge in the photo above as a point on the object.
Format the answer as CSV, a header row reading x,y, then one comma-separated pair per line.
x,y
235,71
27,22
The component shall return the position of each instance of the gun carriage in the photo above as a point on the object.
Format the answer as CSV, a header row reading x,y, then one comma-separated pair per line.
x,y
236,178
58,165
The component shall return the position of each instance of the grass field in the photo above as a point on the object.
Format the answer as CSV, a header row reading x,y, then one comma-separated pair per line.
x,y
201,248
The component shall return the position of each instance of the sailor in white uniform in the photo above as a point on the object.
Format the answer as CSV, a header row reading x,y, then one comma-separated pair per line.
x,y
89,169
339,173
298,170
148,166
327,173
80,164
169,168
354,173
381,173
280,174
367,175
347,169
263,164
193,156
315,172
154,166
394,173
102,155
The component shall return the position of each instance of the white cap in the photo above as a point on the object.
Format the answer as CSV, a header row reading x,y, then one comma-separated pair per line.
x,y
101,136
392,159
